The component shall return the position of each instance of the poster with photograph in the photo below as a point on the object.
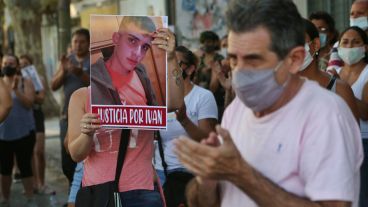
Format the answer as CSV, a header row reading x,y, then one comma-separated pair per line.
x,y
128,73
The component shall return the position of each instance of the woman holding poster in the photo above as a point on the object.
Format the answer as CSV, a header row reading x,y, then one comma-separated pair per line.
x,y
125,83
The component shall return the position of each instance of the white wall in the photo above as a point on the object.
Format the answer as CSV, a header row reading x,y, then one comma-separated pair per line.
x,y
302,7
143,7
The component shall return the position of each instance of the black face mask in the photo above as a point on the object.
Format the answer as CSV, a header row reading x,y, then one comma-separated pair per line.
x,y
9,71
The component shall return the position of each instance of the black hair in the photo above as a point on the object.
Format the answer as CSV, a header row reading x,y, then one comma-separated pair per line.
x,y
322,15
328,19
82,31
311,31
189,58
362,34
280,17
208,35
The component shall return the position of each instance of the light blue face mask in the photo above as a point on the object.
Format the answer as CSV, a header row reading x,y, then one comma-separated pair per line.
x,y
257,89
323,39
361,22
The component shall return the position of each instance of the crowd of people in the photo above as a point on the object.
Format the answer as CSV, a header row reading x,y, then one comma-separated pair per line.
x,y
290,95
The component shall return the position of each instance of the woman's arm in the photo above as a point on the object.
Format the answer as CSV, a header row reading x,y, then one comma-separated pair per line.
x,y
40,96
345,92
25,95
81,126
205,126
165,40
58,78
5,100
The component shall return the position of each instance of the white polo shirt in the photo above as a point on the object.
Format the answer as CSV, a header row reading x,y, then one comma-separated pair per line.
x,y
310,147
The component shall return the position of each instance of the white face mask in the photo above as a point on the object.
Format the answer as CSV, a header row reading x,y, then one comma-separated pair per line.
x,y
351,55
361,22
307,59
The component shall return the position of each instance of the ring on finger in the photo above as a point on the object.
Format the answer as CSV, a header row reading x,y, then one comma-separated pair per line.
x,y
85,126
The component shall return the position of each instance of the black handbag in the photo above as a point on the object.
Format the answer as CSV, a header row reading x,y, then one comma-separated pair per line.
x,y
174,188
106,194
176,182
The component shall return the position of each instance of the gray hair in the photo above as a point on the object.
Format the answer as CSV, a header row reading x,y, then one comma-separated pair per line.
x,y
142,22
280,17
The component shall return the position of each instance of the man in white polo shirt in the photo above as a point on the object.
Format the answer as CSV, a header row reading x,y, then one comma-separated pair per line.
x,y
286,142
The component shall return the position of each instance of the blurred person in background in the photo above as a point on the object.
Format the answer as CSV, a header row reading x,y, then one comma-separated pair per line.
x,y
209,57
328,35
310,70
17,131
72,73
38,163
223,72
353,47
358,17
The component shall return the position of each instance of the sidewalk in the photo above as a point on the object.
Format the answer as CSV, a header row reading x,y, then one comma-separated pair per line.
x,y
54,176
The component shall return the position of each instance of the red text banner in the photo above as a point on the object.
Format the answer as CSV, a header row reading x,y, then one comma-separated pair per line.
x,y
131,116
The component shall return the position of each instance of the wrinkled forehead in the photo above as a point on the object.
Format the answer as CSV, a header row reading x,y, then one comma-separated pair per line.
x,y
360,6
254,41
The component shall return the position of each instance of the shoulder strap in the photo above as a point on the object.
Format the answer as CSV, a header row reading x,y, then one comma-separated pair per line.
x,y
124,140
332,82
161,150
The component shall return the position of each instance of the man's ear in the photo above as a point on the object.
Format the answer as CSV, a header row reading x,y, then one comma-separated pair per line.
x,y
296,59
115,37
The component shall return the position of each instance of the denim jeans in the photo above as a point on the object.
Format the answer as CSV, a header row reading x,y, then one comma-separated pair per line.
x,y
76,184
142,198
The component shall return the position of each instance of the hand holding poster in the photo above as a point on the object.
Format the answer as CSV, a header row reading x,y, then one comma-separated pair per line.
x,y
31,72
128,71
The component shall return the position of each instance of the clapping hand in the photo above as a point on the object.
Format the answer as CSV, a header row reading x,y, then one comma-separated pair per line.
x,y
210,159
